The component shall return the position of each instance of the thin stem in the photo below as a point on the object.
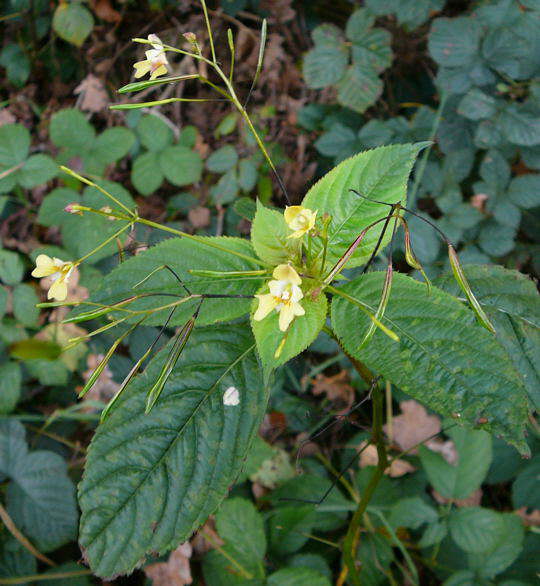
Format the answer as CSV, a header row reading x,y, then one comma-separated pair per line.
x,y
353,532
13,529
209,29
104,243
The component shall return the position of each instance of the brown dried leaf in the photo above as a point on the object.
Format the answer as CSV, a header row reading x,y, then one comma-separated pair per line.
x,y
6,117
175,571
413,427
206,538
104,10
397,468
531,519
278,10
93,96
478,201
199,217
337,388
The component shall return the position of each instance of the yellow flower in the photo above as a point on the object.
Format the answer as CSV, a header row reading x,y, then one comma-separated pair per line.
x,y
58,270
284,297
299,219
156,61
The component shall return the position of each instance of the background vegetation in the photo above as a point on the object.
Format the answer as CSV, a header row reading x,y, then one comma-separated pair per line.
x,y
456,506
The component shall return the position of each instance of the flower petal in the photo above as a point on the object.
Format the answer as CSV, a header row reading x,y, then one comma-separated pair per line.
x,y
266,304
58,290
287,273
142,68
286,315
45,266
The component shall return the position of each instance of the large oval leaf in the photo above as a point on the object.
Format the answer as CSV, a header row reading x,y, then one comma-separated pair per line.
x,y
511,301
444,358
182,255
151,480
380,174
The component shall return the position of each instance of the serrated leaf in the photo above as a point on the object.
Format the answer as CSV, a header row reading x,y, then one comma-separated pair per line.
x,y
269,234
476,105
520,126
373,50
379,174
461,479
238,522
525,487
324,65
476,530
327,34
454,42
182,255
302,331
444,358
170,469
358,89
180,165
511,301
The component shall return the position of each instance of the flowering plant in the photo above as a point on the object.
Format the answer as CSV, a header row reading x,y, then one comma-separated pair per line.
x,y
175,436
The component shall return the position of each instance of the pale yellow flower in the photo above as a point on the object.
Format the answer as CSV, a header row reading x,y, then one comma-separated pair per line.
x,y
156,61
299,219
285,295
58,270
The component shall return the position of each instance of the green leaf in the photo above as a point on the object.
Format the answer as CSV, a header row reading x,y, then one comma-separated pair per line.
x,y
496,239
180,165
171,468
17,64
505,551
11,267
524,191
412,512
324,65
359,24
288,527
443,359
40,496
269,234
24,305
222,159
510,300
38,169
182,255
51,211
459,480
302,331
154,134
296,577
520,126
359,89
379,174
525,488
11,377
226,189
72,22
373,50
70,129
247,175
327,34
476,530
476,105
238,522
113,144
454,42
14,147
146,174
33,348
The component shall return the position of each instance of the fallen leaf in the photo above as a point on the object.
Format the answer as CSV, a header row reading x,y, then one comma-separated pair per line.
x,y
93,96
199,217
278,10
6,117
337,388
175,571
445,448
206,538
397,468
104,10
531,519
413,427
61,334
478,201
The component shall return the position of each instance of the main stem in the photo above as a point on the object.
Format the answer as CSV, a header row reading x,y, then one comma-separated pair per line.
x,y
350,545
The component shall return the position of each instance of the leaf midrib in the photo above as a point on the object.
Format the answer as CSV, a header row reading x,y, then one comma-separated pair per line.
x,y
170,446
